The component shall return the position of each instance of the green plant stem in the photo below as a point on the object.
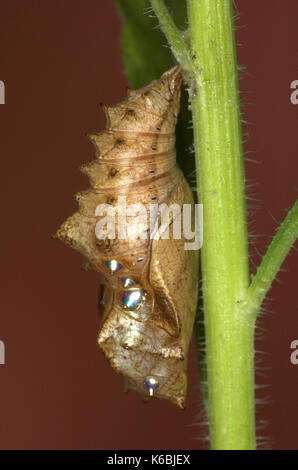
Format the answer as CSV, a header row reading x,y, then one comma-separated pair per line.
x,y
281,244
230,304
175,39
221,190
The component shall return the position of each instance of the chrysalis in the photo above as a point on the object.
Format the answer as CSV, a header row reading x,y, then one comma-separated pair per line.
x,y
149,290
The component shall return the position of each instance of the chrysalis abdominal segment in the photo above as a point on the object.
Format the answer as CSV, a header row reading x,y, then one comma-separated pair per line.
x,y
148,293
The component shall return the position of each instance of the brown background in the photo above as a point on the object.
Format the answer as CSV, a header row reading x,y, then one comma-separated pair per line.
x,y
58,60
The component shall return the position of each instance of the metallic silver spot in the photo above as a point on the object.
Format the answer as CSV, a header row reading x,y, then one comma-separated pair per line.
x,y
132,299
151,384
127,282
113,265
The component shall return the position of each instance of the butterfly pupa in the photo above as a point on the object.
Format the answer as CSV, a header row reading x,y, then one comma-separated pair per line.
x,y
148,293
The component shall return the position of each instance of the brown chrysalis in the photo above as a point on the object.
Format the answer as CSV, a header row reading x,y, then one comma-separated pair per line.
x,y
149,286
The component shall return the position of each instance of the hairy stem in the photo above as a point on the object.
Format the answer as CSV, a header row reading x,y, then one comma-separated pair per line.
x,y
281,244
230,304
220,174
174,37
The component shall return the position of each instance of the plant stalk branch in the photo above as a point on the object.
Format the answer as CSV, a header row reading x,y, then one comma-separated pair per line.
x,y
277,251
174,37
